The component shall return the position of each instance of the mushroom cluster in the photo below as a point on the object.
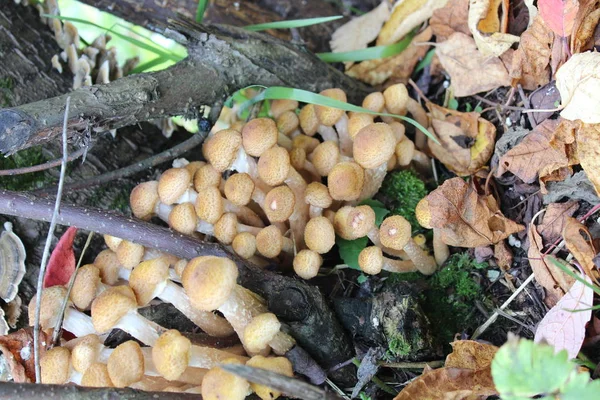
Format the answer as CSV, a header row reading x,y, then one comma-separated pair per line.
x,y
126,277
283,187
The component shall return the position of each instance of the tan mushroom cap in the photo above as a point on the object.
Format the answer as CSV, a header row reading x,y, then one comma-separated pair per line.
x,y
317,195
405,150
281,365
226,228
370,260
85,352
112,242
84,288
281,106
298,158
374,101
288,122
172,184
244,244
110,306
208,281
279,203
108,265
308,120
171,354
147,277
125,364
221,149
396,99
269,241
183,218
274,166
373,145
307,263
307,143
209,205
54,365
220,385
325,156
258,135
345,181
395,232
319,235
239,188
143,199
354,222
423,214
194,166
52,299
96,376
260,331
358,121
328,116
206,176
398,129
130,254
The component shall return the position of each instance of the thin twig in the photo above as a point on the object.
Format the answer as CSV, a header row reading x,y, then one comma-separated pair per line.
x,y
418,90
414,365
527,103
61,314
498,105
40,282
150,162
42,167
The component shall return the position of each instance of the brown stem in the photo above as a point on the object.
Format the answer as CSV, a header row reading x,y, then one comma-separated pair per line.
x,y
42,167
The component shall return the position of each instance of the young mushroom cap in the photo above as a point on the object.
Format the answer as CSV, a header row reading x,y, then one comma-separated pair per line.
x,y
238,188
307,263
52,299
226,228
258,135
405,150
281,106
374,101
110,306
220,385
209,280
307,143
125,364
112,242
396,99
279,203
345,181
328,116
209,205
281,365
317,195
143,199
288,122
108,265
244,244
372,261
325,156
221,149
85,352
274,166
206,176
194,166
260,331
172,184
54,365
319,235
85,286
270,242
308,120
130,254
171,354
183,218
354,222
96,376
358,121
147,278
373,145
423,214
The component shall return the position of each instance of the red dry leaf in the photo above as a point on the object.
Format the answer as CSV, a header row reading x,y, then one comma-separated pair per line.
x,y
559,15
62,261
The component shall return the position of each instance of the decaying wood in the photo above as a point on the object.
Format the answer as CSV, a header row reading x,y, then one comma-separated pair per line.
x,y
301,306
221,60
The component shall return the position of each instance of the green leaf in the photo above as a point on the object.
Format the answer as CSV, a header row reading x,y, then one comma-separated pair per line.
x,y
350,249
362,278
378,207
201,10
453,104
293,23
425,61
370,53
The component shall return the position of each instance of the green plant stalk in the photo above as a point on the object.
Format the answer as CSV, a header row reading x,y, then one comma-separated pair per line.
x,y
370,53
201,10
293,23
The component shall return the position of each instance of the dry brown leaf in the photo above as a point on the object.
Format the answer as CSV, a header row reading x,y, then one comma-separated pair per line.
x,y
484,24
470,354
465,219
449,19
578,81
470,71
399,67
450,384
533,154
503,256
554,220
359,32
551,278
584,27
579,242
531,61
407,15
588,152
17,349
466,139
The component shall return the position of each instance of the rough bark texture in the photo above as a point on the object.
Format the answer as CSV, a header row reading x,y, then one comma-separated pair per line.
x,y
222,59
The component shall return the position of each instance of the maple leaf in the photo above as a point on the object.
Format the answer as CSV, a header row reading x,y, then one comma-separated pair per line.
x,y
62,260
559,15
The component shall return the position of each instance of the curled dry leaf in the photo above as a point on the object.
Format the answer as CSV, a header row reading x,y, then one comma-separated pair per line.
x,y
470,354
359,32
17,349
554,220
503,256
549,276
61,264
559,15
397,68
466,139
407,15
564,325
584,26
470,71
588,152
12,263
579,242
531,61
484,24
578,82
462,217
449,19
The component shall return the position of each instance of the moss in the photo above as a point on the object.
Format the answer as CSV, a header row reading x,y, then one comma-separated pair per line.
x,y
399,347
400,192
24,158
6,86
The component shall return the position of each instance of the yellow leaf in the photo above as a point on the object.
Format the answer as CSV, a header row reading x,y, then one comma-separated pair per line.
x,y
407,15
483,14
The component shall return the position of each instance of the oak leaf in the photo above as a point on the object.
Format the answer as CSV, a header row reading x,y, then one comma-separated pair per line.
x,y
578,81
466,141
484,24
407,15
463,218
470,70
579,242
470,354
564,325
449,19
554,219
559,15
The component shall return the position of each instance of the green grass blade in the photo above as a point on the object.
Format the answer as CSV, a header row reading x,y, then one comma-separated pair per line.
x,y
293,23
425,61
370,53
148,65
572,274
304,96
201,10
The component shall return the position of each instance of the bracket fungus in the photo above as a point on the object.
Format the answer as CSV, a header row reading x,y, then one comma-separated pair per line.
x,y
12,263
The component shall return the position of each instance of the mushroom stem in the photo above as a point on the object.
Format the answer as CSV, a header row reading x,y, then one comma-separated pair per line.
x,y
341,127
328,134
440,249
372,183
